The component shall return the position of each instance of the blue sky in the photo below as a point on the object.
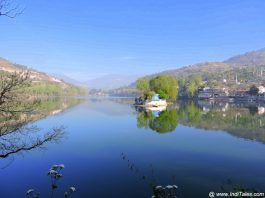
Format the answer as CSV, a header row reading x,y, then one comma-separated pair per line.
x,y
84,39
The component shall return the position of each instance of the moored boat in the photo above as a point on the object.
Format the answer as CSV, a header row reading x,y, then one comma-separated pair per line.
x,y
155,101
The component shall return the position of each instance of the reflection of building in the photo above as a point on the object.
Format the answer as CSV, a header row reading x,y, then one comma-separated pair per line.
x,y
208,105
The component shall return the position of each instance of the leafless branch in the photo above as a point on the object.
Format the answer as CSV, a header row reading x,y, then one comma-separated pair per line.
x,y
15,144
9,9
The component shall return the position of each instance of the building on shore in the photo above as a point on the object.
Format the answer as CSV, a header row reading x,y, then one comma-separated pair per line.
x,y
209,93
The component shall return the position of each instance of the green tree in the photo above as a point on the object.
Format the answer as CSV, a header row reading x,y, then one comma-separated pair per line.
x,y
142,84
181,83
193,85
166,86
197,79
192,88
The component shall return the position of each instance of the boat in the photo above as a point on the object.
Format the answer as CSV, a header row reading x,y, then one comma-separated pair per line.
x,y
155,101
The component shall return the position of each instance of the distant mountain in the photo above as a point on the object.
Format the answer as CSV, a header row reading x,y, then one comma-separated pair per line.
x,y
111,81
69,80
249,58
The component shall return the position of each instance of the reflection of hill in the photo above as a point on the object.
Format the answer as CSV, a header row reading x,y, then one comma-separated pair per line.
x,y
242,120
112,106
18,134
40,110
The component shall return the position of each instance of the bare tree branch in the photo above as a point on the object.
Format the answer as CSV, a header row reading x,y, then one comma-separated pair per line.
x,y
16,112
14,145
9,9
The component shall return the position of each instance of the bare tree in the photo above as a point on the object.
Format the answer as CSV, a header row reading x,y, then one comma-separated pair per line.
x,y
16,112
10,85
18,141
10,9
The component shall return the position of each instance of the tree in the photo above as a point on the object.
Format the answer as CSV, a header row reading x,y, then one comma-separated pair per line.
x,y
181,83
192,88
9,9
16,134
143,84
10,85
197,79
193,85
165,86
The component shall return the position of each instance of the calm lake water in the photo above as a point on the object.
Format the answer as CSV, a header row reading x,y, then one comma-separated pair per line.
x,y
110,149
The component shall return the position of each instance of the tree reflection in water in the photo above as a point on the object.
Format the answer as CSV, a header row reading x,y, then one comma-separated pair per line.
x,y
161,121
17,135
244,120
17,111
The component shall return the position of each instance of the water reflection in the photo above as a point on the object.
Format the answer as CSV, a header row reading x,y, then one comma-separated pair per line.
x,y
245,120
239,119
158,119
17,131
197,161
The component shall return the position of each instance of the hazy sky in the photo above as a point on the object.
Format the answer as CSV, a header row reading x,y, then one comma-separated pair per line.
x,y
89,38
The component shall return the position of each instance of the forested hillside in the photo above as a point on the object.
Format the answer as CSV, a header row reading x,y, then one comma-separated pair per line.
x,y
40,83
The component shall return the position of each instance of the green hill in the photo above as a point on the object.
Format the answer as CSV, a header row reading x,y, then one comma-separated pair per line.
x,y
41,83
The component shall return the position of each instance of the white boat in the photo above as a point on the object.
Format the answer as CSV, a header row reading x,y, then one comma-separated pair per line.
x,y
155,102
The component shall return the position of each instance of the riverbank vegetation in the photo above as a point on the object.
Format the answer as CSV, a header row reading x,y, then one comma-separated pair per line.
x,y
165,86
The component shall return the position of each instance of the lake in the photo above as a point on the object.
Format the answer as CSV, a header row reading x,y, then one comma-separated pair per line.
x,y
111,149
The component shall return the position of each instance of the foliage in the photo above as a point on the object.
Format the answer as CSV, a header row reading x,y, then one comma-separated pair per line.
x,y
165,86
53,89
142,84
192,89
194,83
11,84
181,83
